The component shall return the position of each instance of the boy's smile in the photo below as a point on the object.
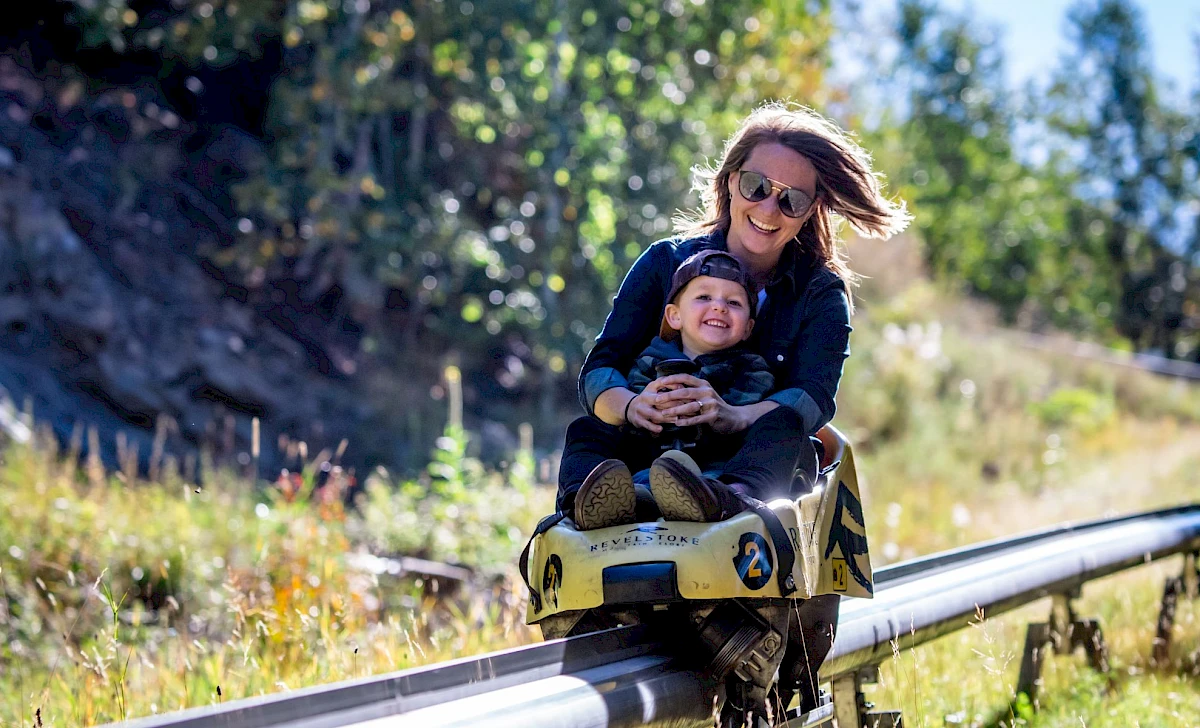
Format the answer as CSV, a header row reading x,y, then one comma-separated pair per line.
x,y
711,314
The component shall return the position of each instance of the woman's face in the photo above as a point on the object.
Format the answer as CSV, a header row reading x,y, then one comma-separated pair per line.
x,y
758,231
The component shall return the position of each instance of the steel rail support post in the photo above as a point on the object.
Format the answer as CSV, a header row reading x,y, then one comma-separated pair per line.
x,y
851,708
1187,584
820,715
1065,633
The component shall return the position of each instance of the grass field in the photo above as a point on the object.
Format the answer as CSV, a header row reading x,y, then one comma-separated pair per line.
x,y
124,598
968,678
128,598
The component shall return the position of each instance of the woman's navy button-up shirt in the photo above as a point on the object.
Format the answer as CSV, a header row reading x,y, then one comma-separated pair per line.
x,y
803,329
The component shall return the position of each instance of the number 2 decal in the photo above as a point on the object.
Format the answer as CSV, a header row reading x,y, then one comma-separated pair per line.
x,y
753,551
753,561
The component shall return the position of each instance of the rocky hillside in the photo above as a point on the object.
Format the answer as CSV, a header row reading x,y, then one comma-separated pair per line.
x,y
110,317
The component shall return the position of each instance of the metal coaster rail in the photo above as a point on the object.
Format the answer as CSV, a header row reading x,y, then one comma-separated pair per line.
x,y
625,676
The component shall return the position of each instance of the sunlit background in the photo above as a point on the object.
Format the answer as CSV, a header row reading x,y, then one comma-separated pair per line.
x,y
293,297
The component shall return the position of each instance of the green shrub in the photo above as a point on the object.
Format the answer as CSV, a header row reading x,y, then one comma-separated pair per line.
x,y
1078,409
459,512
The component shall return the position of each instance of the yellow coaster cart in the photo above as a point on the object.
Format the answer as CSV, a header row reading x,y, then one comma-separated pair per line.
x,y
729,586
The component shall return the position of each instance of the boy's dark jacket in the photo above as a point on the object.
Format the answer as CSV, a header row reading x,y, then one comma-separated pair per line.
x,y
737,374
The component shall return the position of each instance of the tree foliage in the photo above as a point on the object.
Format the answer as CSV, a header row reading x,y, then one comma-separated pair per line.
x,y
990,217
1075,207
443,180
1135,156
461,170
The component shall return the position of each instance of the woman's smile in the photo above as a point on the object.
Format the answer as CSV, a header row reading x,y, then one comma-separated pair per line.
x,y
762,227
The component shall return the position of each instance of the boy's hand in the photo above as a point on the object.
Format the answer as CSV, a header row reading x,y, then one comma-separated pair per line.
x,y
643,412
689,400
645,409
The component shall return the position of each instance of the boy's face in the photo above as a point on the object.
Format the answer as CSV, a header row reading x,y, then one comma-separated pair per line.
x,y
710,314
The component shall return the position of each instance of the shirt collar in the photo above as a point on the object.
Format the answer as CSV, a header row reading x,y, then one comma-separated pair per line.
x,y
785,269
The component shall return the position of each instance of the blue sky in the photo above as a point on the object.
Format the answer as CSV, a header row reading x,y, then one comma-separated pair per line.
x,y
1032,35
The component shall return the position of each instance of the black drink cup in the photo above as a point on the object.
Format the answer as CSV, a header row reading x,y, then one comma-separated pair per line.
x,y
674,437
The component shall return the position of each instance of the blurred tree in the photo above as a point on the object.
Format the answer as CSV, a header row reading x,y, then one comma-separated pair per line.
x,y
989,218
1137,160
455,173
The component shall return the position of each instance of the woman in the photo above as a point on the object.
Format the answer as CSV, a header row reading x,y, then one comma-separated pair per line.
x,y
785,173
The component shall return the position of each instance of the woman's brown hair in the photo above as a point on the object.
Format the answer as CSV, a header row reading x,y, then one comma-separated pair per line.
x,y
846,184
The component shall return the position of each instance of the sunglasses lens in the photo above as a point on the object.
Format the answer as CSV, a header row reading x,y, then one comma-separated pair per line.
x,y
794,203
753,186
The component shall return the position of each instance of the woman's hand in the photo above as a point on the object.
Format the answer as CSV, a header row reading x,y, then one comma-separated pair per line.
x,y
688,400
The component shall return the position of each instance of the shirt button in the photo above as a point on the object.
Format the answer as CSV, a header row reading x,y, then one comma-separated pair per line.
x,y
779,357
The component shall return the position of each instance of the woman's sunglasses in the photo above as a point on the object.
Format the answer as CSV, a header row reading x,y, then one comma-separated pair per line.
x,y
756,187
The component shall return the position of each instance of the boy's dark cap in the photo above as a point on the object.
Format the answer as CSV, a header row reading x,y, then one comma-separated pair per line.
x,y
715,264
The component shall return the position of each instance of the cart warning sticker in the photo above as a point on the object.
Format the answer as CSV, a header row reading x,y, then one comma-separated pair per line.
x,y
552,579
753,561
839,575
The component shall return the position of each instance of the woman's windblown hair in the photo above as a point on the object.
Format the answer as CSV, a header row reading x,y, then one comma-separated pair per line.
x,y
846,184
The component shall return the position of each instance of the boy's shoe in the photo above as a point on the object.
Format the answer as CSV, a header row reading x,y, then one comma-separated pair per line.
x,y
606,497
681,492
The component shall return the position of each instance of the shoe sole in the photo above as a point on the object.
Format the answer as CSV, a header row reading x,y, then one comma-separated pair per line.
x,y
671,483
607,500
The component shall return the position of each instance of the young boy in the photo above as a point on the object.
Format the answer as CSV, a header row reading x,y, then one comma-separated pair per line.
x,y
709,313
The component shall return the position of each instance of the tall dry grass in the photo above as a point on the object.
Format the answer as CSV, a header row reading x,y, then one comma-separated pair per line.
x,y
124,598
